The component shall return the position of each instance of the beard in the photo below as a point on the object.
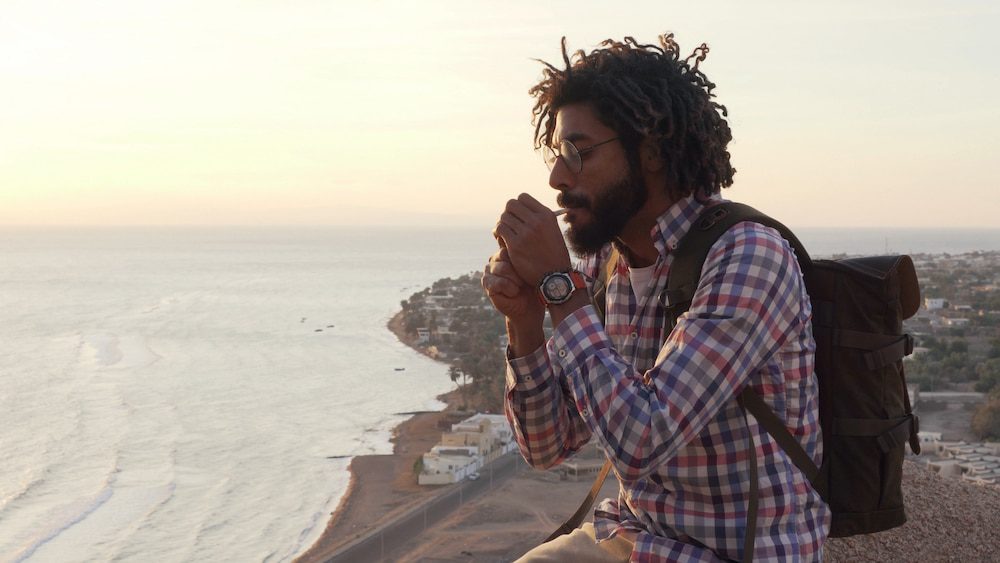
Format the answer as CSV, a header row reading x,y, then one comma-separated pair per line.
x,y
610,210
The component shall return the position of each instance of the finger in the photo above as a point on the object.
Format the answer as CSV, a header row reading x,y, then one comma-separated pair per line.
x,y
502,255
505,270
497,235
505,232
531,204
517,210
498,285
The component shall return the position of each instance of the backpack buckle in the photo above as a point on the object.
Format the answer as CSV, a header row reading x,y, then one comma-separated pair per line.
x,y
908,345
670,298
712,216
914,438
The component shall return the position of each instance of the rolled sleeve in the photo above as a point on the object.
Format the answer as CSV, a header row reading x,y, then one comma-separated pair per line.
x,y
539,406
577,337
527,372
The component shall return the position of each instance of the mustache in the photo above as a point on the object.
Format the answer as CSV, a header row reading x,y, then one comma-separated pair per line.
x,y
572,200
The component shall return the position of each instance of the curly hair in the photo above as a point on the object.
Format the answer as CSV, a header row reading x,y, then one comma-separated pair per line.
x,y
645,91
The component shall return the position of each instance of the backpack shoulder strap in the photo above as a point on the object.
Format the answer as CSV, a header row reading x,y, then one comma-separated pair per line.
x,y
605,271
692,250
685,271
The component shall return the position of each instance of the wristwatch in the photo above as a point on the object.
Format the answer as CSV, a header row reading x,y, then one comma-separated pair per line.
x,y
558,287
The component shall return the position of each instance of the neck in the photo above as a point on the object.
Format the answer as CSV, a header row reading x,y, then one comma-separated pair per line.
x,y
635,237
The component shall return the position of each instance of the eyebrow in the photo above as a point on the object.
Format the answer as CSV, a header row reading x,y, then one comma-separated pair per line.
x,y
574,137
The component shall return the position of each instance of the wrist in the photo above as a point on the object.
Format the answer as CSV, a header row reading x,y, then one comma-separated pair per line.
x,y
525,336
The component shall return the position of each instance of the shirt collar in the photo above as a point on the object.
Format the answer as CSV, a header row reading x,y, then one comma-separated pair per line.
x,y
676,221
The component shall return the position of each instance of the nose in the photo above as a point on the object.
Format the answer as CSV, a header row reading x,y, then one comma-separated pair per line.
x,y
560,176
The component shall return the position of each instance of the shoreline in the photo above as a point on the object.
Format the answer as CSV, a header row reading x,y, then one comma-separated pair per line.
x,y
382,486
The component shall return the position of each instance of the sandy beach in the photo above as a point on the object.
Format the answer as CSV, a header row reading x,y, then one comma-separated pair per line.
x,y
383,486
948,520
503,525
500,526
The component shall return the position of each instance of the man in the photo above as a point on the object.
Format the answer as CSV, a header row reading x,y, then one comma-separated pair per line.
x,y
637,148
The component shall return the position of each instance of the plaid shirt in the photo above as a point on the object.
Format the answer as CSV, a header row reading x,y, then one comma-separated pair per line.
x,y
663,407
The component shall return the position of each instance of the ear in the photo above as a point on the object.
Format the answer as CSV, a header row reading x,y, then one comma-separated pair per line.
x,y
649,156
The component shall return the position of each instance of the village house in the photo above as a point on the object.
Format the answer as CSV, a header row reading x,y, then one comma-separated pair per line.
x,y
489,433
933,304
976,462
466,448
449,464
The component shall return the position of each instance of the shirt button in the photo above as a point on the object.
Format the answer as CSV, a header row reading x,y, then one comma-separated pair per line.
x,y
634,334
562,353
585,412
527,378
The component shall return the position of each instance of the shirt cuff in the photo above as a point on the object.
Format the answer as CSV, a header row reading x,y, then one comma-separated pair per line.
x,y
527,372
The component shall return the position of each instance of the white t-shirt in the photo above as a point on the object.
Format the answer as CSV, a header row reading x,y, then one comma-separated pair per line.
x,y
640,280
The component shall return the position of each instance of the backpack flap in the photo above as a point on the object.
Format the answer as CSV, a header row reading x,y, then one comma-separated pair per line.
x,y
885,268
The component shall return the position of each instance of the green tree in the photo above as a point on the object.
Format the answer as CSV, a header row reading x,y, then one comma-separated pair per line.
x,y
988,373
986,420
994,351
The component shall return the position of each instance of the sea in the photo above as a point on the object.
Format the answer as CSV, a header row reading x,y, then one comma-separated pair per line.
x,y
196,394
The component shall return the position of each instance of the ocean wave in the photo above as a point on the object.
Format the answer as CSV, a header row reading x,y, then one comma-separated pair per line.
x,y
66,516
28,487
74,514
105,350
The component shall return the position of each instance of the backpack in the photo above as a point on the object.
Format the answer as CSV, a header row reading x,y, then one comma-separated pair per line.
x,y
859,305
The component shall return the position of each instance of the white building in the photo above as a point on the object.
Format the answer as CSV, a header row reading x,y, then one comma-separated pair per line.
x,y
929,437
482,437
977,462
423,335
935,303
449,464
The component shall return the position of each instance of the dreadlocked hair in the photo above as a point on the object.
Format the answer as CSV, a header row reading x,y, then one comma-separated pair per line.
x,y
645,91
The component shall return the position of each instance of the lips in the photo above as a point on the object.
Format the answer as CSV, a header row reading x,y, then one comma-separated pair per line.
x,y
570,201
573,213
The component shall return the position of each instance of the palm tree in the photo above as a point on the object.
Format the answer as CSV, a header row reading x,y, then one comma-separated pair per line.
x,y
454,373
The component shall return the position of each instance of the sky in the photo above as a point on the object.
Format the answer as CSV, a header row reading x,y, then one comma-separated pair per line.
x,y
307,113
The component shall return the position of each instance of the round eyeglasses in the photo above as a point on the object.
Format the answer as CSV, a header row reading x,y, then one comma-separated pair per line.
x,y
571,156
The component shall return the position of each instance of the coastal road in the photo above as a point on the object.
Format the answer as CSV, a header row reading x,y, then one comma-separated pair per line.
x,y
404,529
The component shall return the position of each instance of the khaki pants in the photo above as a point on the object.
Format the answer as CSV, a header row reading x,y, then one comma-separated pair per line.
x,y
579,546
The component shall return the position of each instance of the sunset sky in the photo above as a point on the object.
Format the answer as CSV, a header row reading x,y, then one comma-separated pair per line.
x,y
855,114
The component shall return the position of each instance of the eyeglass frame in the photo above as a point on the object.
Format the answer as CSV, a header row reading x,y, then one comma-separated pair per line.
x,y
557,154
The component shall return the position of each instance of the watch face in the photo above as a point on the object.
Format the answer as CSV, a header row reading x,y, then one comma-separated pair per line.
x,y
557,288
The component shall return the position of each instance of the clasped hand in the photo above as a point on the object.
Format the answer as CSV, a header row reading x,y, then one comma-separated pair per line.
x,y
531,245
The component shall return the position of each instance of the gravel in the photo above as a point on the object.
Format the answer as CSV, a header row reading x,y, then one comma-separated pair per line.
x,y
947,520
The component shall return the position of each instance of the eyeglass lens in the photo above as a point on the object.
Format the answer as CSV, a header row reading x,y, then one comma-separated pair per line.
x,y
569,154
